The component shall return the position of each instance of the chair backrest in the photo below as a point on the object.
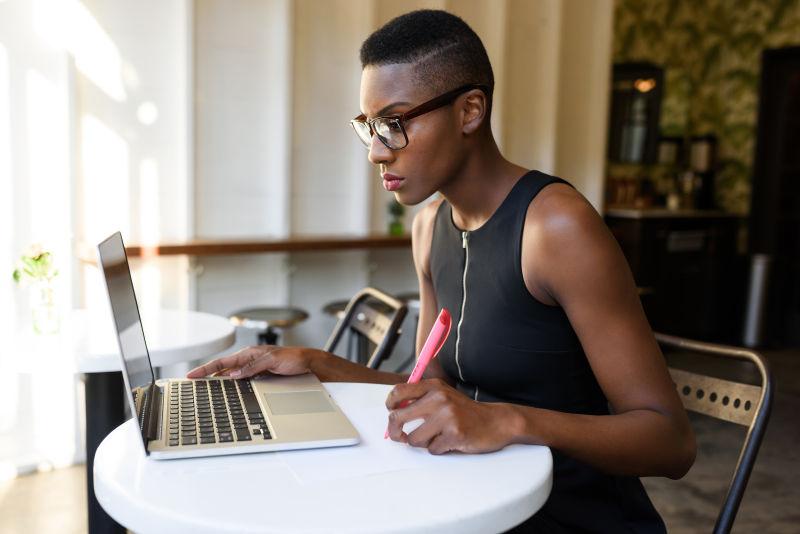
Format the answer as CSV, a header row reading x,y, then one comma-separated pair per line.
x,y
377,317
730,401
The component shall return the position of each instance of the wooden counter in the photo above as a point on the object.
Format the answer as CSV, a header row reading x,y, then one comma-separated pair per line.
x,y
218,247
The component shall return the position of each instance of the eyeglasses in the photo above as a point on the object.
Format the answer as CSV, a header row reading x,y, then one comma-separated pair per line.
x,y
391,130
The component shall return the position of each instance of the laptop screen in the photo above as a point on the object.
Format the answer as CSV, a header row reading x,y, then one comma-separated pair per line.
x,y
132,346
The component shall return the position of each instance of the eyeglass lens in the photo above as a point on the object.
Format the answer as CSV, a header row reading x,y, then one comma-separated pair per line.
x,y
388,130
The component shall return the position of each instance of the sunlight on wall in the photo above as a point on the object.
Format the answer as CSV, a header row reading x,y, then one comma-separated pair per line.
x,y
49,218
54,421
148,275
149,208
106,187
68,25
8,319
105,160
49,176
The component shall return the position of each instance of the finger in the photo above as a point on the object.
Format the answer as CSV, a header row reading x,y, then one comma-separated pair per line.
x,y
212,368
401,416
424,433
439,445
404,393
232,361
254,364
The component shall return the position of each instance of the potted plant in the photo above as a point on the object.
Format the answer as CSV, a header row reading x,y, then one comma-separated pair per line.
x,y
396,212
36,268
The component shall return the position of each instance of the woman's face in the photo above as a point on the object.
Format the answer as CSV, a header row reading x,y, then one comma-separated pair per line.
x,y
435,147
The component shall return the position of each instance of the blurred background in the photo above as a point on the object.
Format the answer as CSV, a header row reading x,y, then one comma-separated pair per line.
x,y
221,122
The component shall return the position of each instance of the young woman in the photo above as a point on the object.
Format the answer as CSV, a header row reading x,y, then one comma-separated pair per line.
x,y
550,345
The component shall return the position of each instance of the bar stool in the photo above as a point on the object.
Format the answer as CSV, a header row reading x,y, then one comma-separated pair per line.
x,y
266,320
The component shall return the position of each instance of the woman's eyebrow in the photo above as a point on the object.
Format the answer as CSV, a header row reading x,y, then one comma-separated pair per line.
x,y
390,106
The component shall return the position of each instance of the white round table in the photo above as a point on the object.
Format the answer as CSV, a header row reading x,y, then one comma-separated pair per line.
x,y
86,343
377,486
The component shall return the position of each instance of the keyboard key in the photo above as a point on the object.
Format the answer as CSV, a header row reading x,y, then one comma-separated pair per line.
x,y
190,441
173,442
225,436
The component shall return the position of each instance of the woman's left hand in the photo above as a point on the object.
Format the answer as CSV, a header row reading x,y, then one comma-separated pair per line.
x,y
452,421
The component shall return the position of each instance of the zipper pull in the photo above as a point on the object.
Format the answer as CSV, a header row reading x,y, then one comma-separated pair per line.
x,y
464,239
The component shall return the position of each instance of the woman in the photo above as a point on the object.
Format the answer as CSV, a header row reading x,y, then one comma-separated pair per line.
x,y
551,345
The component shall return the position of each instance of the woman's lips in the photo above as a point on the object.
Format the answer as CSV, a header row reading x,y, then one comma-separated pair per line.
x,y
392,182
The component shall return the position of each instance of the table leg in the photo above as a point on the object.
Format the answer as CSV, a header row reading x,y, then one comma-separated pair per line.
x,y
105,410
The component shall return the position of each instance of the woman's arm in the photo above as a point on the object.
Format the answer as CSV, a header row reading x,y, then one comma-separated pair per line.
x,y
570,256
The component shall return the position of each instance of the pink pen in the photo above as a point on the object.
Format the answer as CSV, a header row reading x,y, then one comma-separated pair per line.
x,y
435,341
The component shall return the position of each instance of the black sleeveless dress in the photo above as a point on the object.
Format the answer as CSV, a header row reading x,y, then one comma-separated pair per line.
x,y
507,346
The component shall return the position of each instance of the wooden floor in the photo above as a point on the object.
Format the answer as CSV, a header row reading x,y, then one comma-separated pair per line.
x,y
55,501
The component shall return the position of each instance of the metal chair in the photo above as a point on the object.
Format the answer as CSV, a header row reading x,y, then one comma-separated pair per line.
x,y
374,316
730,401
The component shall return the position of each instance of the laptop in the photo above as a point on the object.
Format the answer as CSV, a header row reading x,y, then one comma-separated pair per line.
x,y
183,418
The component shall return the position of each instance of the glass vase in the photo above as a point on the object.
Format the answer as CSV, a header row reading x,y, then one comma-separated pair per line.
x,y
43,308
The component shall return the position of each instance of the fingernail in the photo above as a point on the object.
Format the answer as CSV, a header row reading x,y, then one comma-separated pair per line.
x,y
236,373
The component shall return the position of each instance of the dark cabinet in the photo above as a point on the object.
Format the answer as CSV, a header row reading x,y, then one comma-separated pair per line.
x,y
687,269
775,210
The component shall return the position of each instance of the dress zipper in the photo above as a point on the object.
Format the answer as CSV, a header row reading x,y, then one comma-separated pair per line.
x,y
465,246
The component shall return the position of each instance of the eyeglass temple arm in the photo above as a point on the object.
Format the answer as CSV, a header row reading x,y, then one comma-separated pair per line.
x,y
441,100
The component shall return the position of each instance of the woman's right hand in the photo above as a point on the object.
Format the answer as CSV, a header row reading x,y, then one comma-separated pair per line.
x,y
260,359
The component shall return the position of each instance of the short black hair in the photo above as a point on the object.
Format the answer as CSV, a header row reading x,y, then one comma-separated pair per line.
x,y
446,52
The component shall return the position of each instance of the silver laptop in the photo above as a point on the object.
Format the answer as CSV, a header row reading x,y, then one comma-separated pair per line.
x,y
213,416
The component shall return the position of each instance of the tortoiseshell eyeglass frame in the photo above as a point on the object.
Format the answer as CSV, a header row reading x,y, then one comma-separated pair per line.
x,y
399,120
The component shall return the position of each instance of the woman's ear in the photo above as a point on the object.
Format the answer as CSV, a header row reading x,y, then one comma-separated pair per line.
x,y
473,111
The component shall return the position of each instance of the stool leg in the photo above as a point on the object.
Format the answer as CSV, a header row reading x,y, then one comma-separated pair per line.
x,y
269,337
105,410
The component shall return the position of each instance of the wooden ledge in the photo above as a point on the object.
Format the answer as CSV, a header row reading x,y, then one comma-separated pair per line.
x,y
209,247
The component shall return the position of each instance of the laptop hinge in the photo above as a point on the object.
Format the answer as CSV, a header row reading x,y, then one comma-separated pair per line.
x,y
151,412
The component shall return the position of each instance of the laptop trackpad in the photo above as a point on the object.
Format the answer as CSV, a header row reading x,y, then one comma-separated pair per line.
x,y
298,402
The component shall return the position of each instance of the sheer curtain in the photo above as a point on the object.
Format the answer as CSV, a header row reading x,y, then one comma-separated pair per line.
x,y
95,134
39,410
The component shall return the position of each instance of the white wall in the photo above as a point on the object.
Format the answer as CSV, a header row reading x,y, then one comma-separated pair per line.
x,y
242,105
133,138
531,86
585,59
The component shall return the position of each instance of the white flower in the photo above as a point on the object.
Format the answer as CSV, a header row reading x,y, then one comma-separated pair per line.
x,y
34,250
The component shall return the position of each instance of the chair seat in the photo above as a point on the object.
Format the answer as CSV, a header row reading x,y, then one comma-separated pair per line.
x,y
265,317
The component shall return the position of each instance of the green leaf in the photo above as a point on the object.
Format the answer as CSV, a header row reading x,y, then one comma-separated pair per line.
x,y
710,60
672,10
778,13
627,42
747,42
745,77
17,275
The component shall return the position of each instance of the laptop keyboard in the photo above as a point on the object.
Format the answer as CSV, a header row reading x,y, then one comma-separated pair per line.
x,y
214,411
